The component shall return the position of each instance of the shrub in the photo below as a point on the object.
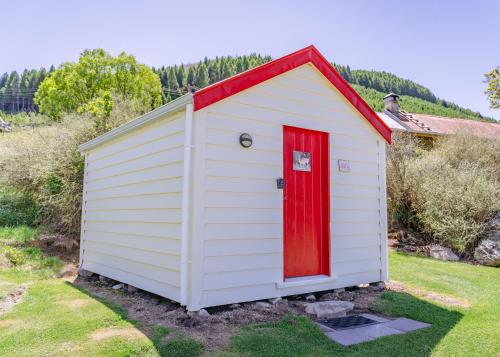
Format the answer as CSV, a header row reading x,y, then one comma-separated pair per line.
x,y
14,255
45,164
399,157
448,192
17,209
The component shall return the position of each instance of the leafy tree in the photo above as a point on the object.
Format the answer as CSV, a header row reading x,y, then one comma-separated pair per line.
x,y
493,90
85,86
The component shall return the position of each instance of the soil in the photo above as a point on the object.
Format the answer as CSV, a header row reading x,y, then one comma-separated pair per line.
x,y
58,245
216,329
13,298
127,333
443,299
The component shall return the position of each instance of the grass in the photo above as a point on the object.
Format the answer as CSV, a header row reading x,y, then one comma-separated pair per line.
x,y
58,318
455,331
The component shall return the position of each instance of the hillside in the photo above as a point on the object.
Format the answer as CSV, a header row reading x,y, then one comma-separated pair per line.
x,y
17,90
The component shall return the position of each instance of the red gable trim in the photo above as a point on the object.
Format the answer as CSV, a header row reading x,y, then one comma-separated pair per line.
x,y
235,84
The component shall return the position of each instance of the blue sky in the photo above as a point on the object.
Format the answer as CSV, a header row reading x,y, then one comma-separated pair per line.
x,y
444,45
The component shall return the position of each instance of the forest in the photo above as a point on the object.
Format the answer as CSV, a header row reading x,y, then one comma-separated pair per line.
x,y
17,90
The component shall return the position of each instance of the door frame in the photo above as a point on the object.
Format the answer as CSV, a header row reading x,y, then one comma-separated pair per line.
x,y
326,256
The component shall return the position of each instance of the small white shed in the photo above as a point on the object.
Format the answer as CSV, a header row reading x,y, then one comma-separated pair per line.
x,y
179,203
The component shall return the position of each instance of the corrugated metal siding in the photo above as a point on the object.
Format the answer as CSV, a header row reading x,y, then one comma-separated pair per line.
x,y
132,211
241,219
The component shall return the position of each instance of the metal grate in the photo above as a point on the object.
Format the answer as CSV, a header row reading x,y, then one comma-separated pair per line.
x,y
344,323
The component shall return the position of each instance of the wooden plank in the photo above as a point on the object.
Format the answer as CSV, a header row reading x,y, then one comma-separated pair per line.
x,y
232,279
164,200
162,143
170,170
243,215
356,254
232,230
151,272
141,282
136,165
160,230
155,244
355,228
160,128
230,263
132,215
139,256
239,247
244,200
166,185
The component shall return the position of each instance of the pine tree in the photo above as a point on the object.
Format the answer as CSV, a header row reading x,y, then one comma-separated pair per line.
x,y
180,75
201,78
190,75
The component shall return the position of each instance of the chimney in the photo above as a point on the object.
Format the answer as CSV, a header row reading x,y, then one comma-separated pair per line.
x,y
391,103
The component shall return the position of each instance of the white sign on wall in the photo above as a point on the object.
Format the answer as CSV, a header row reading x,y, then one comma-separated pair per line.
x,y
344,166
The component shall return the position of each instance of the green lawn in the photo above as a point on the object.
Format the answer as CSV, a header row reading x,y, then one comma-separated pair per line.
x,y
58,319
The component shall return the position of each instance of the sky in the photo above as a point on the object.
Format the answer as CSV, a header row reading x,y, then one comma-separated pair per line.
x,y
444,45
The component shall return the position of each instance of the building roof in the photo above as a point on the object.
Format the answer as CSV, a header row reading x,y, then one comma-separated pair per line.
x,y
237,83
432,125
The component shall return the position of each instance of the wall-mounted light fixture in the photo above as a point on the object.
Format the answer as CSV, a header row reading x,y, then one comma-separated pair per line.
x,y
246,140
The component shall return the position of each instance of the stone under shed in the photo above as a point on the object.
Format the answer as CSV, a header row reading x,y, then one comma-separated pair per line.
x,y
267,184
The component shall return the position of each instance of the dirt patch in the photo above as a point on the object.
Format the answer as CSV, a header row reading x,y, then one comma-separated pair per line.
x,y
216,329
13,298
61,246
75,304
9,323
443,299
126,333
69,272
69,348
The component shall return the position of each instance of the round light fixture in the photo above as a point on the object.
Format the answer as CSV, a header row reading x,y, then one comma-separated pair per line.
x,y
246,140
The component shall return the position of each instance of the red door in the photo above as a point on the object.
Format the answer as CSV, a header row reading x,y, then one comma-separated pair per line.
x,y
306,202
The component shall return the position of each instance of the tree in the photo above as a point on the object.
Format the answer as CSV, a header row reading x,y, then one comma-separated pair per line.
x,y
86,86
493,90
191,74
201,78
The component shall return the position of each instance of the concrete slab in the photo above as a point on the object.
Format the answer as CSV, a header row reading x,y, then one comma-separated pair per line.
x,y
406,325
324,328
361,334
383,327
375,318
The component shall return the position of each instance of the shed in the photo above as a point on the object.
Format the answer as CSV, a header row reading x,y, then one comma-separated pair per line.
x,y
269,183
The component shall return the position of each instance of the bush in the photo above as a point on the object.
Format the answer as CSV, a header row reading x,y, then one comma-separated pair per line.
x,y
449,192
17,210
14,255
45,164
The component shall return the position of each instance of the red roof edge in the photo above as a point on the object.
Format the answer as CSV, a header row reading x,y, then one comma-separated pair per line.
x,y
235,84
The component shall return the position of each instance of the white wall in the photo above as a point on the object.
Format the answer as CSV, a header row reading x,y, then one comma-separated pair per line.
x,y
131,228
237,235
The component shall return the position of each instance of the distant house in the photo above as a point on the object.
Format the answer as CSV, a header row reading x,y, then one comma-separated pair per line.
x,y
425,125
269,183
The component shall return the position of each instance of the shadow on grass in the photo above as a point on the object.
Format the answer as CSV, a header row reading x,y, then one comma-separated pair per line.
x,y
298,336
171,346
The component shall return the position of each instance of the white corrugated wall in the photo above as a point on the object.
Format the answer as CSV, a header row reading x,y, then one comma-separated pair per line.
x,y
131,229
237,234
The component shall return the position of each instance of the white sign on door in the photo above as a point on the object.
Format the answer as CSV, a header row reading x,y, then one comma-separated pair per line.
x,y
301,161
